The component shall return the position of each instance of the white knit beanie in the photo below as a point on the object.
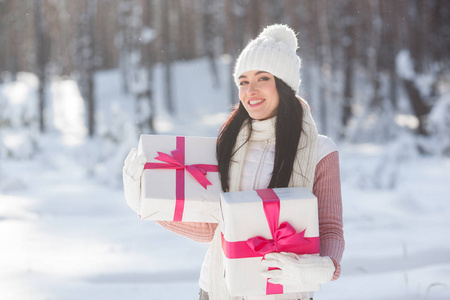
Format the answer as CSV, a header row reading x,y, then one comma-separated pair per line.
x,y
273,51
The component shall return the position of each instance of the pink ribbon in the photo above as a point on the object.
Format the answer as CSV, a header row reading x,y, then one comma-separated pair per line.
x,y
284,238
177,162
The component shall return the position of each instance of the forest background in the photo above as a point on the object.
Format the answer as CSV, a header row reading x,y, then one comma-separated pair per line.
x,y
80,80
359,57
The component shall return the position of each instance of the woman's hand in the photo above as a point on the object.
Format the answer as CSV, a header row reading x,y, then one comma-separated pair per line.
x,y
297,269
132,173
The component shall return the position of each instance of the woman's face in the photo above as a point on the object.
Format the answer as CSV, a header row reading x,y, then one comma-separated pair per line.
x,y
258,94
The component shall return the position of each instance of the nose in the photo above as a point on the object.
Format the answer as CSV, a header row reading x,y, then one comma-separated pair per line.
x,y
251,88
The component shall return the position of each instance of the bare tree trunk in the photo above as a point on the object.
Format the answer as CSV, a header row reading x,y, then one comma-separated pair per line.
x,y
416,36
92,7
42,57
210,35
136,38
349,56
421,110
392,42
124,36
326,59
186,29
85,57
167,55
13,38
148,62
304,15
238,12
3,41
415,39
375,42
254,17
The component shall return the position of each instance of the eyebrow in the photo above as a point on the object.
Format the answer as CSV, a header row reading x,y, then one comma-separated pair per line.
x,y
257,73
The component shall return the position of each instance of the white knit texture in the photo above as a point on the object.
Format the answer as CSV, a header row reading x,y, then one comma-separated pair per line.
x,y
273,51
132,174
298,270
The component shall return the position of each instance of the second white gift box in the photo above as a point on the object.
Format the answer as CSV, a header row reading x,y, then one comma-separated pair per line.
x,y
259,222
180,180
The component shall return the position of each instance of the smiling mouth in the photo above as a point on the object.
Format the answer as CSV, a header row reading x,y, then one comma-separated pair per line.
x,y
255,102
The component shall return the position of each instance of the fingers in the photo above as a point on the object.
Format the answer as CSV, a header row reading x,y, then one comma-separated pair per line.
x,y
275,280
141,159
282,257
134,166
130,157
303,256
138,166
273,255
273,274
271,263
292,256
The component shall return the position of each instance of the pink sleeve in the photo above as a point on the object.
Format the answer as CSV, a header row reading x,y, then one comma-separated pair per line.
x,y
199,232
327,188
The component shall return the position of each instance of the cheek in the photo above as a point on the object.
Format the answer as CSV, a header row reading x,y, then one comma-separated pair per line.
x,y
277,102
241,94
275,98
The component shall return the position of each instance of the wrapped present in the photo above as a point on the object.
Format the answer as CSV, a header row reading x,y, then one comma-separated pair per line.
x,y
180,180
259,222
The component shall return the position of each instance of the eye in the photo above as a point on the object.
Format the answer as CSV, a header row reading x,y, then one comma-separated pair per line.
x,y
243,82
264,78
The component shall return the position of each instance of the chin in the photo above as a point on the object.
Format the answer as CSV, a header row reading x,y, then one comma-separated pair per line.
x,y
259,118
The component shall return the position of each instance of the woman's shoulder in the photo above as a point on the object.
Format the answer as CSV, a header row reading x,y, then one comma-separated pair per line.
x,y
325,146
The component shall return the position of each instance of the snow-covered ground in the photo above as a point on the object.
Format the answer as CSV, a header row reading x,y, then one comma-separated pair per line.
x,y
67,232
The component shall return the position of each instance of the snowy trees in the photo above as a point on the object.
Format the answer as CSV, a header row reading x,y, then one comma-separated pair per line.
x,y
136,59
352,52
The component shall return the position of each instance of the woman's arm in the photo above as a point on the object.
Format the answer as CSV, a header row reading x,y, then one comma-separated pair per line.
x,y
327,188
199,232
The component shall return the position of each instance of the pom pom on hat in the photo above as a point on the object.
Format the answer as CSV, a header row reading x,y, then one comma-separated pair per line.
x,y
281,33
273,51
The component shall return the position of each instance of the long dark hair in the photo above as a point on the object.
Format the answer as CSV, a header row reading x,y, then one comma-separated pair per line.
x,y
287,136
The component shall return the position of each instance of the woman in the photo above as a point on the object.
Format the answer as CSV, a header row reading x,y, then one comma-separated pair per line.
x,y
270,140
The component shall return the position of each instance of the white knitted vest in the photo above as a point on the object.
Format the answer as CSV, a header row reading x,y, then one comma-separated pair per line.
x,y
302,176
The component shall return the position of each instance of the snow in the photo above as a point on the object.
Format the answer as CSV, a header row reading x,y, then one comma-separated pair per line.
x,y
68,233
404,65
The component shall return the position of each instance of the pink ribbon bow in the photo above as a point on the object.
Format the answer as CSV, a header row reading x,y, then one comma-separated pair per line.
x,y
177,162
283,239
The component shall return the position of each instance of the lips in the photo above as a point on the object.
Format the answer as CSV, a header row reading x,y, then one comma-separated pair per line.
x,y
254,102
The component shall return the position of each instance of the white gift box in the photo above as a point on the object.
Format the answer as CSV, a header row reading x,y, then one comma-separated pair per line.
x,y
243,217
169,190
